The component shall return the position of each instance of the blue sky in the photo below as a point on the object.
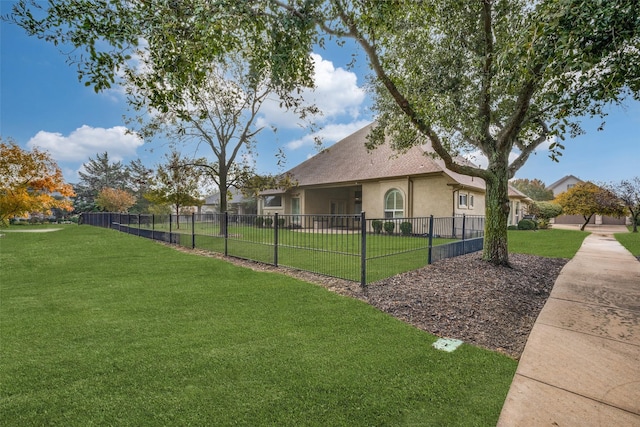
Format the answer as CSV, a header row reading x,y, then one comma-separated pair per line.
x,y
43,104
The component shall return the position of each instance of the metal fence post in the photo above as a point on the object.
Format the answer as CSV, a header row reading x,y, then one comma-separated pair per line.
x,y
430,239
464,219
275,239
153,226
225,218
363,250
193,230
170,237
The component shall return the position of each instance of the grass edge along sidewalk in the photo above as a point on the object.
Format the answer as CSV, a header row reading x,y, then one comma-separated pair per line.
x,y
100,327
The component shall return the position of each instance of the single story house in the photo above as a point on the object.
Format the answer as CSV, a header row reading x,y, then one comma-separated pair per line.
x,y
567,182
347,179
237,203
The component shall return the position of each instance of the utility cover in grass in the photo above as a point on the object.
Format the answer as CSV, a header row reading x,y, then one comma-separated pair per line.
x,y
447,344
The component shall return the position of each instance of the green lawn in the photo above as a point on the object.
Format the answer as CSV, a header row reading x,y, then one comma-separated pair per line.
x,y
552,243
104,328
332,252
631,241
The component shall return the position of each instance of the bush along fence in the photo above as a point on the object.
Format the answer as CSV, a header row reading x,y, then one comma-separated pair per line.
x,y
350,247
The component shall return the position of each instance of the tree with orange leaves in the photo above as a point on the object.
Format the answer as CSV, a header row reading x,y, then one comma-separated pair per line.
x,y
30,182
115,200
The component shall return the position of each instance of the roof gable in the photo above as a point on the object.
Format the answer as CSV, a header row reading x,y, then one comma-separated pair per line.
x,y
349,161
562,180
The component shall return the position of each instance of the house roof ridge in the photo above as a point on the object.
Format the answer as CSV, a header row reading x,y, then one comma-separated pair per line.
x,y
563,179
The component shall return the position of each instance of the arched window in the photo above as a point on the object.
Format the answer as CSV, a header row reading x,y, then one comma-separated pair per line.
x,y
393,204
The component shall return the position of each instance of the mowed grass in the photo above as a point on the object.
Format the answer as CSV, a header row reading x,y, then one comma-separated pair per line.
x,y
104,328
631,241
330,252
552,243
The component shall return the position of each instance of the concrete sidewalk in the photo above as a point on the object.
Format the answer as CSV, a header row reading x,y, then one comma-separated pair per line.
x,y
581,364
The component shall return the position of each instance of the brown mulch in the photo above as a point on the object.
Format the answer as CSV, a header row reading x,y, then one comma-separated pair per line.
x,y
463,297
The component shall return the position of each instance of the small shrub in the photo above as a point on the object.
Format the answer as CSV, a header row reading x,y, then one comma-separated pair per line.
x,y
389,226
377,226
527,224
512,227
268,222
259,221
543,224
406,228
281,222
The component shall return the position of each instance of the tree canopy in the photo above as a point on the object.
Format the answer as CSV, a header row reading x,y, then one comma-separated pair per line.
x,y
219,113
176,183
534,188
115,200
587,199
498,77
628,191
30,182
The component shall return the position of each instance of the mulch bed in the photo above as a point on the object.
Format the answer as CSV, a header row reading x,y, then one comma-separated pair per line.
x,y
463,297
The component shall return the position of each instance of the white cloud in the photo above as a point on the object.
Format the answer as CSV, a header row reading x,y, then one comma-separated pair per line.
x,y
328,135
336,94
86,142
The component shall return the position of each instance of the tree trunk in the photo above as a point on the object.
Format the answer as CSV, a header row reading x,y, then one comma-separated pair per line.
x,y
223,188
496,218
177,217
587,219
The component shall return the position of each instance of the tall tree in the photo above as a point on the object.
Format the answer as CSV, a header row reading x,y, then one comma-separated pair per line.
x,y
628,191
177,183
534,188
97,174
139,178
220,113
587,199
30,182
495,76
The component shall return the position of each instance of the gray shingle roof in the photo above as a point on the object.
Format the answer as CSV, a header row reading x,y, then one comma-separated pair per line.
x,y
349,161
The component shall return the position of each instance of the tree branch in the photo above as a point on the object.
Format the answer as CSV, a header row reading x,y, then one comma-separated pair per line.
x,y
403,103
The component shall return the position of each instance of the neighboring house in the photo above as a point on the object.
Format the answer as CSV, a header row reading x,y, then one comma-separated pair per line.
x,y
236,204
348,179
568,182
563,184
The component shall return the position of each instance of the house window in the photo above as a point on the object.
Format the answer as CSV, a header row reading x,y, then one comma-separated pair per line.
x,y
470,200
393,204
462,200
272,201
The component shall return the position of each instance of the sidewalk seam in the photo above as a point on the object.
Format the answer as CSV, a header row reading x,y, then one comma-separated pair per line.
x,y
593,304
588,334
578,394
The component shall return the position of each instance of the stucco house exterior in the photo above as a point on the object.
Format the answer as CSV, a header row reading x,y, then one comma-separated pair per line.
x,y
348,179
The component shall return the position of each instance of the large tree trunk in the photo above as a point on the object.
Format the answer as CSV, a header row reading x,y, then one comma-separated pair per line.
x,y
496,217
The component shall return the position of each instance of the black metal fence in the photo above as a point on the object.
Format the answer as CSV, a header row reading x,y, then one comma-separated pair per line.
x,y
350,247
